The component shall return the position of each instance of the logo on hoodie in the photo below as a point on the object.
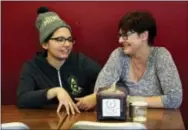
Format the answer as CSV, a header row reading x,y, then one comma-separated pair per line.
x,y
74,86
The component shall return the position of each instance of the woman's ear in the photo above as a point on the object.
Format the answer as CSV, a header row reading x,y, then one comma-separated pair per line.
x,y
144,35
45,46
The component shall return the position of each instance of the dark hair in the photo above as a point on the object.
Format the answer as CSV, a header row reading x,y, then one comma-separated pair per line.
x,y
139,21
45,41
49,36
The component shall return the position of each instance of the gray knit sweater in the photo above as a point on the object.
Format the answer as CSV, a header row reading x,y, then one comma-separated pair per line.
x,y
161,77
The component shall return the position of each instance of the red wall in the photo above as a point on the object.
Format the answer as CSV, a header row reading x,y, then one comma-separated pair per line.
x,y
95,27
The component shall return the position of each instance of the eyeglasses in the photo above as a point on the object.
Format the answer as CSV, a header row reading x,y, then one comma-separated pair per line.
x,y
62,40
125,35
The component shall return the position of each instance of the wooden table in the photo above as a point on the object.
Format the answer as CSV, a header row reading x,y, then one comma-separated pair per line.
x,y
48,119
34,118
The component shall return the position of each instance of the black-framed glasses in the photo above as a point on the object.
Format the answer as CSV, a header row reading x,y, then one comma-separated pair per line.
x,y
62,40
125,35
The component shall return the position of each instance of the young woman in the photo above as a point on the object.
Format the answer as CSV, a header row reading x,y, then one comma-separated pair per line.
x,y
57,75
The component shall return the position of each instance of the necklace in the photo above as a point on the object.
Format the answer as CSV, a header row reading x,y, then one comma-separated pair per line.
x,y
137,72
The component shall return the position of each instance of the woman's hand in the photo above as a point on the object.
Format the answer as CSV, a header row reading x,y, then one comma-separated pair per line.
x,y
64,100
87,102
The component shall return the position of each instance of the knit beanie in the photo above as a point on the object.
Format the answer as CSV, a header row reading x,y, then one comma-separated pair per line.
x,y
47,22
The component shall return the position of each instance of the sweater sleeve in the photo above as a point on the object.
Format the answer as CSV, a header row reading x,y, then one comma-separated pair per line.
x,y
27,95
111,71
169,79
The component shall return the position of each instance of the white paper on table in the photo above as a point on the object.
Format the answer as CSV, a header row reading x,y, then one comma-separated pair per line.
x,y
111,107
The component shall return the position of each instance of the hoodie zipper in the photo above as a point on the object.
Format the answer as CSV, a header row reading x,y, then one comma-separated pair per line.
x,y
59,77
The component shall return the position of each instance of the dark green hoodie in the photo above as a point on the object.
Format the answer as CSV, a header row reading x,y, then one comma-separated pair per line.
x,y
77,76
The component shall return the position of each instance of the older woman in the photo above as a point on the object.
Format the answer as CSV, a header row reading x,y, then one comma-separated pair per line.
x,y
148,72
57,75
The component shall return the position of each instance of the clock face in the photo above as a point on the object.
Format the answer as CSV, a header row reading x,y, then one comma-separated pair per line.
x,y
111,108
